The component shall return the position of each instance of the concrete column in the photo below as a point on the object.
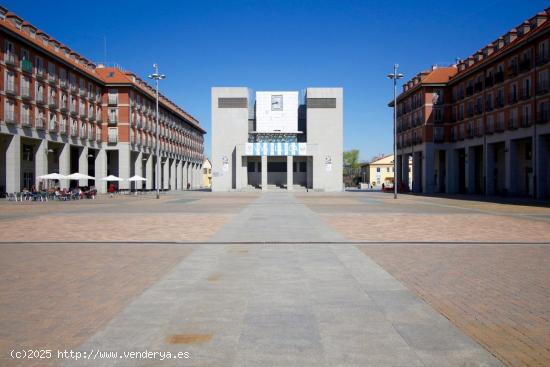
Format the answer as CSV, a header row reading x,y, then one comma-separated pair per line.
x,y
101,171
83,165
172,174
470,167
542,167
264,172
166,177
190,175
65,164
179,175
490,169
185,174
149,184
157,166
428,173
404,171
289,173
398,175
138,170
417,173
511,159
451,167
124,162
309,173
41,162
13,165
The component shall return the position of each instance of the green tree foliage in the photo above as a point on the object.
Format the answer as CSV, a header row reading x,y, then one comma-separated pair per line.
x,y
351,158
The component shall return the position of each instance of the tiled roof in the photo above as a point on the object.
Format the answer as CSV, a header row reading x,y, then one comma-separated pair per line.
x,y
49,45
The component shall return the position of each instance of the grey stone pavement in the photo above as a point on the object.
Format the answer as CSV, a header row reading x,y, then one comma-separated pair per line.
x,y
284,304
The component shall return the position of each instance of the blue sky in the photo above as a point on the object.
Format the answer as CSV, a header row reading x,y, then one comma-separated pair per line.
x,y
281,45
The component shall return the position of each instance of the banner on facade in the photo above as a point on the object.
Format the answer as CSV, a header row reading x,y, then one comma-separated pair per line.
x,y
276,149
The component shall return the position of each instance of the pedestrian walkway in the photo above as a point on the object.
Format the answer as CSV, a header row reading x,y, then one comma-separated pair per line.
x,y
277,217
273,304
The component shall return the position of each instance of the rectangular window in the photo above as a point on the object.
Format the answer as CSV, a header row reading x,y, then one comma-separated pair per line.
x,y
9,111
26,115
113,135
10,81
113,96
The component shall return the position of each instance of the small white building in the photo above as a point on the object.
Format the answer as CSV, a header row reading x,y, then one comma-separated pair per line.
x,y
276,140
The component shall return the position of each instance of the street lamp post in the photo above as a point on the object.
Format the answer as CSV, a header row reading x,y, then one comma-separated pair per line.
x,y
156,76
395,76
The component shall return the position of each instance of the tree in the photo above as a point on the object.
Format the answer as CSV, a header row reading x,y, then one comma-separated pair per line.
x,y
351,158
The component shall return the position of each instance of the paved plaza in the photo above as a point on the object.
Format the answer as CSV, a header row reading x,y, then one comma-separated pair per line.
x,y
277,279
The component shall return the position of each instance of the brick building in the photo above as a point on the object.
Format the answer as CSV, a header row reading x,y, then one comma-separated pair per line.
x,y
481,126
61,113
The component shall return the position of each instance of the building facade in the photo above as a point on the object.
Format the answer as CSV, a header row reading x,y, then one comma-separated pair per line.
x,y
275,141
206,174
481,126
378,171
62,113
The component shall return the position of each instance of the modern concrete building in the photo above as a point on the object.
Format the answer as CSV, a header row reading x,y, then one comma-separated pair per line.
x,y
61,113
481,126
277,141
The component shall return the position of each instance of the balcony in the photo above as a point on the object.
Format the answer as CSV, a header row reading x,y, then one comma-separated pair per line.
x,y
478,109
74,131
542,88
39,123
26,93
490,128
26,122
512,124
524,65
63,83
10,88
543,117
542,60
98,135
512,71
525,122
83,134
26,66
40,98
112,120
512,99
83,115
478,87
524,94
113,101
63,107
51,79
10,59
52,126
499,127
10,118
91,136
52,104
63,128
499,101
113,139
40,73
82,93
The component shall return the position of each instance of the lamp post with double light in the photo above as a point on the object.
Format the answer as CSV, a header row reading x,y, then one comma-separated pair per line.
x,y
395,76
156,76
